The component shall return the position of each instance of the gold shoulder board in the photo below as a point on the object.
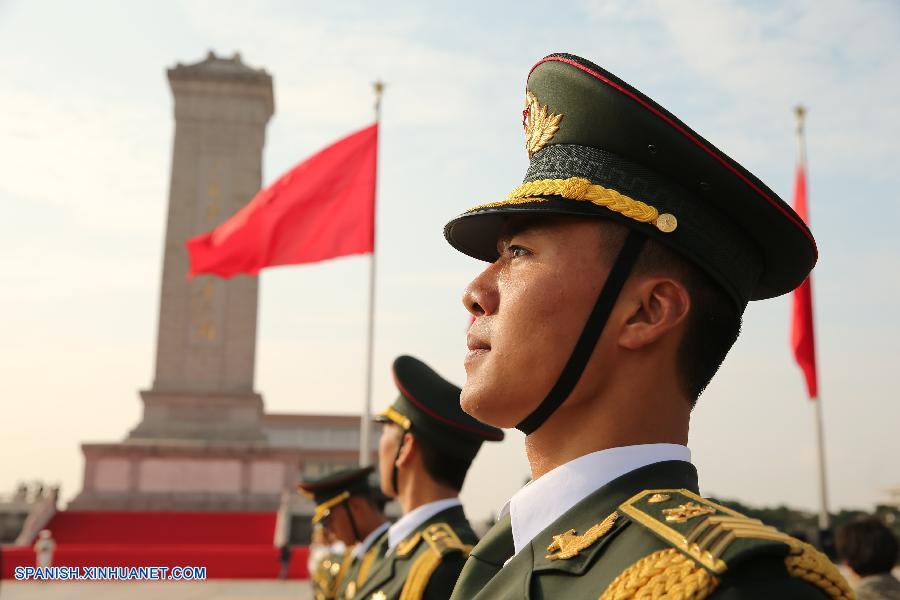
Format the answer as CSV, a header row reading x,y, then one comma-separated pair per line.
x,y
441,538
705,531
715,536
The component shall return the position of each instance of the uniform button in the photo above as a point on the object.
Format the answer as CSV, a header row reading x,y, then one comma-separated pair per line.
x,y
666,223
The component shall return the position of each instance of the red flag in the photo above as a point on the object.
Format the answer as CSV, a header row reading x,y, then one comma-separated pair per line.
x,y
802,335
322,208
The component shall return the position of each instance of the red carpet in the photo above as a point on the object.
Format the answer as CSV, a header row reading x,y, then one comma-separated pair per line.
x,y
229,545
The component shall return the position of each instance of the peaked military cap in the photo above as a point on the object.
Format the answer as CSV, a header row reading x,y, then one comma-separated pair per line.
x,y
598,147
333,489
428,406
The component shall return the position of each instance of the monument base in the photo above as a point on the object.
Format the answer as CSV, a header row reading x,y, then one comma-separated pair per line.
x,y
186,476
206,417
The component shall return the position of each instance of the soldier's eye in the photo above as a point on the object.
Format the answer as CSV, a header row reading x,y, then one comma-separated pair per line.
x,y
517,251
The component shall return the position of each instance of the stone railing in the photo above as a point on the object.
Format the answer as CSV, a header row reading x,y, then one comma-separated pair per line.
x,y
38,517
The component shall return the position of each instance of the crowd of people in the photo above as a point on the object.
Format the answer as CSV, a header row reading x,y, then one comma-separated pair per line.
x,y
869,549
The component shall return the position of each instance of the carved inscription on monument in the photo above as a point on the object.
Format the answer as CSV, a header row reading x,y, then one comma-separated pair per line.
x,y
208,293
203,310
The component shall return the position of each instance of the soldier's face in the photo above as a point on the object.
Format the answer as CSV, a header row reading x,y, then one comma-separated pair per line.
x,y
530,306
391,435
337,523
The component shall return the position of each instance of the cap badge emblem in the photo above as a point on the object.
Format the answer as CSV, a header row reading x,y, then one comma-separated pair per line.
x,y
540,124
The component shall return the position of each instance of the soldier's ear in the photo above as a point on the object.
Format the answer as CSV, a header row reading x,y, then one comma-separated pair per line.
x,y
409,447
656,307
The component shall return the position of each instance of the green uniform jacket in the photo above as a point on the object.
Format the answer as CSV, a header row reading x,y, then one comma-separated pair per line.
x,y
648,534
360,568
426,564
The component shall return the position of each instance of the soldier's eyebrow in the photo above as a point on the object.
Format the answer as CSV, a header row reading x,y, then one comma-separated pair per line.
x,y
504,240
512,226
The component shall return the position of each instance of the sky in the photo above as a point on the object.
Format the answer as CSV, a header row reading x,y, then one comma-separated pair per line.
x,y
86,129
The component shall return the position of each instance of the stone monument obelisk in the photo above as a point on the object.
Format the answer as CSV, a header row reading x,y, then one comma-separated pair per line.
x,y
202,443
203,388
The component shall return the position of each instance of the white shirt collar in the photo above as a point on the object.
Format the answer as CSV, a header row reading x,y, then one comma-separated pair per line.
x,y
537,505
363,546
409,522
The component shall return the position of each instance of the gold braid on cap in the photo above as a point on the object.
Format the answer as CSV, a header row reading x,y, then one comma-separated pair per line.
x,y
581,189
324,509
393,415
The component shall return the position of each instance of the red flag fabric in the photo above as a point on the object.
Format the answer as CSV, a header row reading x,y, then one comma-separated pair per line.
x,y
322,208
802,334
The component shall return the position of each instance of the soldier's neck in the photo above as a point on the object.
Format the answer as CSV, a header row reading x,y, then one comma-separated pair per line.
x,y
418,489
633,410
372,522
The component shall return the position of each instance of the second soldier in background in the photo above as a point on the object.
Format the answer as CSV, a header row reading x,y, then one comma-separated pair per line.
x,y
426,448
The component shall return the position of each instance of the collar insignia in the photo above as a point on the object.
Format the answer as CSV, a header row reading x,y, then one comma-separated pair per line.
x,y
540,124
407,545
567,545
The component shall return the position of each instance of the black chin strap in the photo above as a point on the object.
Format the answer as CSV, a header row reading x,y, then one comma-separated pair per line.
x,y
356,535
571,373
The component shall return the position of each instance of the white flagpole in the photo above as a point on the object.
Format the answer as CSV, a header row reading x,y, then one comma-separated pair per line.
x,y
365,423
824,520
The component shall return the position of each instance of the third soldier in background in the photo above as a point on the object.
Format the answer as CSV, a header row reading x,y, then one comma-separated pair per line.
x,y
618,273
427,445
351,511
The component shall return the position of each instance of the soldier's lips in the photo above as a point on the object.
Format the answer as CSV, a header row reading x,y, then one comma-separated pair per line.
x,y
473,355
477,348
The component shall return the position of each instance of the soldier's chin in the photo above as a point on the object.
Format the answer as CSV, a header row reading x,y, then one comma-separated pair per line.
x,y
385,488
484,406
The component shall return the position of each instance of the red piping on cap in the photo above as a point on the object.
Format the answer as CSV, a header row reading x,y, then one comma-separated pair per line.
x,y
481,433
683,132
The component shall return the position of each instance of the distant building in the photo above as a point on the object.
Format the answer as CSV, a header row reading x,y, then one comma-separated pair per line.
x,y
327,442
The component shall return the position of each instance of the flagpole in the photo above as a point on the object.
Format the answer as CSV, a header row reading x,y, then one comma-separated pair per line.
x,y
824,521
365,424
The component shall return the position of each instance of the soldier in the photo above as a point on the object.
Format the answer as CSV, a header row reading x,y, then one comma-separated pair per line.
x,y
44,548
324,563
427,445
619,271
351,511
327,572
